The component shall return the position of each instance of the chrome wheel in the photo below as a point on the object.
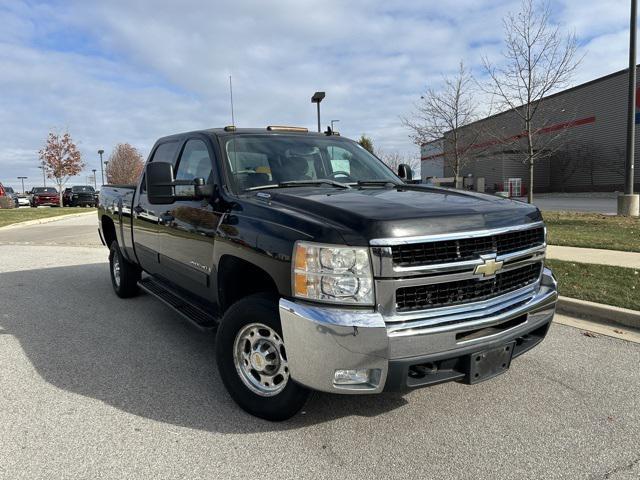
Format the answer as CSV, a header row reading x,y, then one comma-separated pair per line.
x,y
116,270
261,360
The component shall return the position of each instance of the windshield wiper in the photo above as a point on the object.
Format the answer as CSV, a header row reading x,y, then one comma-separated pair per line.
x,y
300,183
319,181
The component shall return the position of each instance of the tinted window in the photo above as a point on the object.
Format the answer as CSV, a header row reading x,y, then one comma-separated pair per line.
x,y
165,152
8,189
195,162
44,190
85,189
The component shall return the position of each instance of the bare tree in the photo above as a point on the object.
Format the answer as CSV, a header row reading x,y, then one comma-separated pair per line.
x,y
445,114
61,159
394,159
125,165
538,59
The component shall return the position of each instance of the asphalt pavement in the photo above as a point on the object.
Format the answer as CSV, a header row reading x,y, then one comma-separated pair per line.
x,y
92,386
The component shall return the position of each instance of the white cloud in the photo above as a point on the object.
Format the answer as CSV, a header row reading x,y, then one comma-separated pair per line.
x,y
132,71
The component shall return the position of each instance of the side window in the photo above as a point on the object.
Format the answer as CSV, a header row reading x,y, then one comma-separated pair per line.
x,y
195,162
164,153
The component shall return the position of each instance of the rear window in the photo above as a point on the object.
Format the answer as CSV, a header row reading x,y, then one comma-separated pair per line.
x,y
44,190
8,189
82,189
165,152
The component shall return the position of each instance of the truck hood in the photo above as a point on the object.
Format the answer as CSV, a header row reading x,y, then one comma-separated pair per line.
x,y
368,213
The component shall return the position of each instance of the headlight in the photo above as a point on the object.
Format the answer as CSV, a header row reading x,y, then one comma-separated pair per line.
x,y
332,273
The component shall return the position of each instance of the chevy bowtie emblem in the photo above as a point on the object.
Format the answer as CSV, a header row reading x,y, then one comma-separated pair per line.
x,y
489,267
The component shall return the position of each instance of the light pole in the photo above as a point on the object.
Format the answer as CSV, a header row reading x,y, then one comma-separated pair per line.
x,y
332,122
317,98
44,178
100,152
629,204
22,179
95,186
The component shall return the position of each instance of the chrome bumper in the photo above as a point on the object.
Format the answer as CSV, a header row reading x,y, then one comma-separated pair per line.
x,y
321,340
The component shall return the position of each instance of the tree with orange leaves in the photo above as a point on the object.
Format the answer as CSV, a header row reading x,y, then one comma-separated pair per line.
x,y
125,165
61,159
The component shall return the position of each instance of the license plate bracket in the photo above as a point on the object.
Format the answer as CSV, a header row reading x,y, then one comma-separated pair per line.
x,y
487,364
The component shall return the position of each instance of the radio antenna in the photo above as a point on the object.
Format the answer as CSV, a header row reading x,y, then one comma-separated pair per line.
x,y
233,121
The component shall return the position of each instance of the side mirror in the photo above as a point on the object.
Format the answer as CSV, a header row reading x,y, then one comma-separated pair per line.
x,y
404,172
160,181
202,189
194,189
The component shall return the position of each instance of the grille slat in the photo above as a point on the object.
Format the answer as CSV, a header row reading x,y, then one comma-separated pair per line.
x,y
445,251
463,291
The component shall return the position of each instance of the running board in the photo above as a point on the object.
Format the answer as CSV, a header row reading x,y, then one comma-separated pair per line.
x,y
198,317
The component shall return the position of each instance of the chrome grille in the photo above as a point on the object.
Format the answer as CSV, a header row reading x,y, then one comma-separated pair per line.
x,y
421,297
463,249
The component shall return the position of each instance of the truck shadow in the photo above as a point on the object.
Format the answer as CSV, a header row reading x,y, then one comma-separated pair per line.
x,y
137,355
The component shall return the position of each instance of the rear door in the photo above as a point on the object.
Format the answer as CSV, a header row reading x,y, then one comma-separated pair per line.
x,y
187,227
146,217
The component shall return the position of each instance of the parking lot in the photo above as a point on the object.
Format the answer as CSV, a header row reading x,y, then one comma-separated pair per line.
x,y
592,202
92,386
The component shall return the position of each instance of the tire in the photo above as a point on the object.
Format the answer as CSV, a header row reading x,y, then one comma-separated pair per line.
x,y
124,275
277,401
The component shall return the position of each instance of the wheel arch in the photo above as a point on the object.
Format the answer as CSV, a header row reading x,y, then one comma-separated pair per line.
x,y
238,278
108,230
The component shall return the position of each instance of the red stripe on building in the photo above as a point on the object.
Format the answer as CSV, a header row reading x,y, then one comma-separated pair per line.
x,y
498,141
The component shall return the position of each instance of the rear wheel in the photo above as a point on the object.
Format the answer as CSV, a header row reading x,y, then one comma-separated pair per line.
x,y
124,275
252,360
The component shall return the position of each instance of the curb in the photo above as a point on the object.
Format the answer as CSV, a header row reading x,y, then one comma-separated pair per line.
x,y
598,311
40,221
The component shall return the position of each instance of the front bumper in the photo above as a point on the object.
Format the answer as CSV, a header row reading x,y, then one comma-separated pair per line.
x,y
321,340
46,202
81,201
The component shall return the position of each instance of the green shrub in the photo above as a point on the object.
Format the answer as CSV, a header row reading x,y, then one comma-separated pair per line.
x,y
7,202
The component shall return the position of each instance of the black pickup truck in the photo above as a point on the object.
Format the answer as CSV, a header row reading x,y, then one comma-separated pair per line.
x,y
322,269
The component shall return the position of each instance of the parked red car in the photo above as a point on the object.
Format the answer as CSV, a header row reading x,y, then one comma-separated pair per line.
x,y
2,192
45,196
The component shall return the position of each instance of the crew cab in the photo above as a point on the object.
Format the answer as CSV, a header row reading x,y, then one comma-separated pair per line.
x,y
324,270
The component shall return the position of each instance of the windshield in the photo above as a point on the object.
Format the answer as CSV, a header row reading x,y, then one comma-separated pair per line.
x,y
44,190
255,161
8,189
86,189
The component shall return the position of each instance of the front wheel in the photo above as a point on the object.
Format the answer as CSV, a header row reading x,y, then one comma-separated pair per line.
x,y
124,275
252,360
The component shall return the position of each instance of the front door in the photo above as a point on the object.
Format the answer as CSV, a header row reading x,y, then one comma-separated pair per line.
x,y
187,227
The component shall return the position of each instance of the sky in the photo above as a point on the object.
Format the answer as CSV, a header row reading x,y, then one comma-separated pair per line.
x,y
118,71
